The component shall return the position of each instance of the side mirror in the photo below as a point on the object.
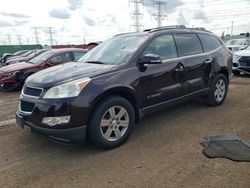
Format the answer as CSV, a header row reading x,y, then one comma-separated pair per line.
x,y
150,59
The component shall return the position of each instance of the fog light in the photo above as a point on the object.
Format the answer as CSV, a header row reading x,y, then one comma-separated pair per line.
x,y
52,121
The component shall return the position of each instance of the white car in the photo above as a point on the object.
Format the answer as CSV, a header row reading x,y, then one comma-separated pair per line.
x,y
237,44
241,61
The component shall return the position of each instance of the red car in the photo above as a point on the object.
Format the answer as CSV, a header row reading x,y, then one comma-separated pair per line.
x,y
13,76
26,57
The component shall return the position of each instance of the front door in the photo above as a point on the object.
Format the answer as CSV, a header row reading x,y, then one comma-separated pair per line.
x,y
161,82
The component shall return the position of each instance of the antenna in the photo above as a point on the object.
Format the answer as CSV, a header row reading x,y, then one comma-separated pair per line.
x,y
160,8
136,15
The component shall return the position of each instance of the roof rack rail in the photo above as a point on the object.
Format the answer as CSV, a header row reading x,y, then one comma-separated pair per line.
x,y
125,33
166,27
199,29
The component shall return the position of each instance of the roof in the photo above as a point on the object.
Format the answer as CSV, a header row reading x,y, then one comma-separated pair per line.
x,y
68,50
167,28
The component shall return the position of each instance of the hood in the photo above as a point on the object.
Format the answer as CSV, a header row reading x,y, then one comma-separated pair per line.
x,y
65,73
16,67
10,60
243,53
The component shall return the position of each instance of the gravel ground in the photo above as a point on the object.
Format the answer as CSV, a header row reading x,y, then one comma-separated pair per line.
x,y
163,151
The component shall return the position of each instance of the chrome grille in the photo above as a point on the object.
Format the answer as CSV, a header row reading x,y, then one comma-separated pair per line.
x,y
34,92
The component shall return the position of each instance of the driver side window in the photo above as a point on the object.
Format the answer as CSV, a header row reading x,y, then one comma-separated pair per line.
x,y
61,58
163,46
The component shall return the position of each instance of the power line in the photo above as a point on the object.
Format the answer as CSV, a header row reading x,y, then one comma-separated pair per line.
x,y
159,15
136,14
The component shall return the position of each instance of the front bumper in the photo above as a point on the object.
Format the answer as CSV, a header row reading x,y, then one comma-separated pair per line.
x,y
238,67
67,134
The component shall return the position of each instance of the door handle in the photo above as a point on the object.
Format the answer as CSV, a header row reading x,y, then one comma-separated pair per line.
x,y
180,68
209,60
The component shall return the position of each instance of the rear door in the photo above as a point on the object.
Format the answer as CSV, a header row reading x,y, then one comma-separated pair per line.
x,y
160,83
196,64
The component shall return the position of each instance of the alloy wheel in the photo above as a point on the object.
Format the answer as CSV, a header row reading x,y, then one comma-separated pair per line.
x,y
114,123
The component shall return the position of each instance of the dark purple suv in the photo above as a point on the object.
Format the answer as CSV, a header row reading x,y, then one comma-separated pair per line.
x,y
122,80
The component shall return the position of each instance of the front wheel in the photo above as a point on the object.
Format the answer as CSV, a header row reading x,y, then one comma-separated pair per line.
x,y
111,123
218,90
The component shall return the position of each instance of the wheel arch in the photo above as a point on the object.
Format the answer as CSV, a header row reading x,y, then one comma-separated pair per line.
x,y
225,72
124,92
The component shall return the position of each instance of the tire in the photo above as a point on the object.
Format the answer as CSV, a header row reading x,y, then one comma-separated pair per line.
x,y
236,72
107,129
218,90
9,87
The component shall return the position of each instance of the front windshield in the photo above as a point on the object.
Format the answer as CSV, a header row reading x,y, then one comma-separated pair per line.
x,y
114,51
27,53
235,42
248,48
41,58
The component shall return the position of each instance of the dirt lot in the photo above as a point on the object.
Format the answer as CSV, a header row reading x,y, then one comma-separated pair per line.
x,y
163,151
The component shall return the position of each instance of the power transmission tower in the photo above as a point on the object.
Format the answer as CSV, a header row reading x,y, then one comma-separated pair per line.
x,y
51,32
159,15
19,38
36,34
136,14
9,39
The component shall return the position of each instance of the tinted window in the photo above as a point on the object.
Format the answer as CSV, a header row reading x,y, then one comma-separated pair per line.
x,y
164,46
209,42
61,58
187,44
78,55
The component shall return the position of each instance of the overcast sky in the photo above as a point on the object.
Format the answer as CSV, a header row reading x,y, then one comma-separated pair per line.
x,y
74,21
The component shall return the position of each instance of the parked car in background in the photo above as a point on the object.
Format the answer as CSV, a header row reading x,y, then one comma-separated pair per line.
x,y
241,61
13,76
237,44
123,79
5,56
27,56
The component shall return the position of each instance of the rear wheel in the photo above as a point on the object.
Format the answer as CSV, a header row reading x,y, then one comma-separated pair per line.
x,y
112,123
218,90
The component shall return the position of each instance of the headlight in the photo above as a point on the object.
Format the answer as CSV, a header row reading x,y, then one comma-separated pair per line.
x,y
236,58
70,89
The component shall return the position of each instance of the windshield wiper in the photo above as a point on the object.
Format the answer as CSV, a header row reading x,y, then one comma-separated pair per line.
x,y
95,62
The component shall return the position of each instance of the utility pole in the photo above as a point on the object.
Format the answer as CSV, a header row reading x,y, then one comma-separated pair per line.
x,y
232,28
136,15
19,38
159,15
36,34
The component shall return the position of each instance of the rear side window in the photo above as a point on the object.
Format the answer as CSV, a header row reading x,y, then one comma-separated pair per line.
x,y
209,42
187,44
164,46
